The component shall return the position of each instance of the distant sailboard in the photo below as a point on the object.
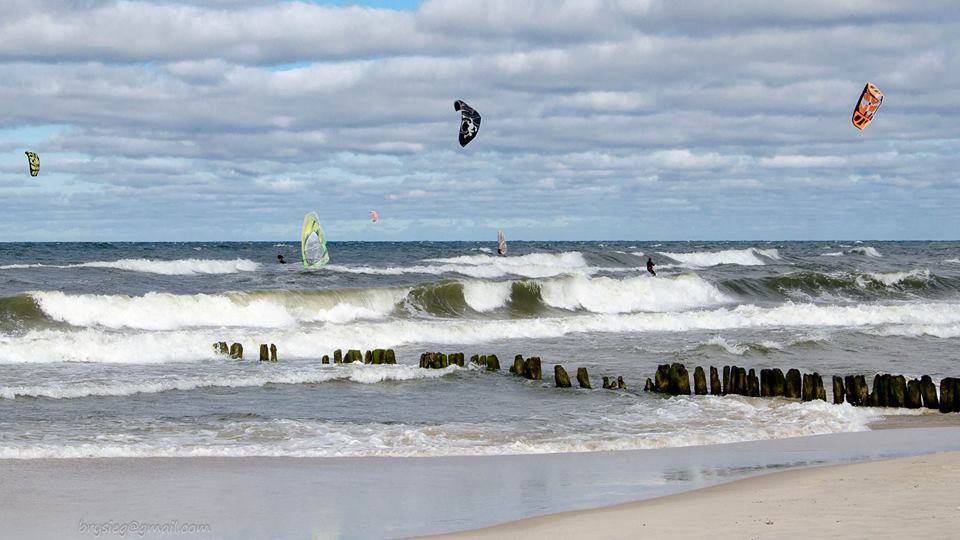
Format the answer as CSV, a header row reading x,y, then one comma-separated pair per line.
x,y
469,122
867,106
313,245
34,161
374,217
501,243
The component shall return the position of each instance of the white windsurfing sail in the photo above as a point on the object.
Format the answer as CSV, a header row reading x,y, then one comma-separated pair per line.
x,y
313,245
501,243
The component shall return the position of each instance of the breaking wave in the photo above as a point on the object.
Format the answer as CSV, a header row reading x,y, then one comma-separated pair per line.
x,y
284,309
744,257
95,345
866,251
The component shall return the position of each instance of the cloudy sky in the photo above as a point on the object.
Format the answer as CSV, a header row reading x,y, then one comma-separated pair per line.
x,y
645,119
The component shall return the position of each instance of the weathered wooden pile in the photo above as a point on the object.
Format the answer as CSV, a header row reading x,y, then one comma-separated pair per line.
x,y
437,360
888,390
268,353
375,356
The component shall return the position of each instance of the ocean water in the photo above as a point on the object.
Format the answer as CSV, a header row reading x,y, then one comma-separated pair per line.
x,y
106,348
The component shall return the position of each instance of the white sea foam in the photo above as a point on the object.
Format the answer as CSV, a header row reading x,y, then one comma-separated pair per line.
x,y
96,345
744,257
672,423
732,348
486,296
892,278
954,261
866,251
943,331
608,295
311,374
181,267
165,311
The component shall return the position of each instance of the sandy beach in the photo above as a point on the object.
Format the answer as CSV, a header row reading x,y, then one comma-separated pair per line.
x,y
908,497
259,497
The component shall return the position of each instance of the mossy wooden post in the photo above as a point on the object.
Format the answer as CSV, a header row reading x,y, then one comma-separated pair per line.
x,y
325,359
273,353
264,352
807,389
475,360
838,391
356,355
620,384
879,396
661,379
649,386
863,389
742,385
948,395
236,351
699,381
493,363
560,377
517,367
444,361
928,392
583,378
607,385
679,380
368,357
777,382
819,392
715,387
531,368
913,399
223,348
338,356
390,357
898,391
793,385
764,382
753,384
726,380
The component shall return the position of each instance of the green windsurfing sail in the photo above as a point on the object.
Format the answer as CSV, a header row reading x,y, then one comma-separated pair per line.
x,y
313,245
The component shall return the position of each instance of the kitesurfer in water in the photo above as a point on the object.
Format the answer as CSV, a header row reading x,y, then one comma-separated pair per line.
x,y
650,266
280,259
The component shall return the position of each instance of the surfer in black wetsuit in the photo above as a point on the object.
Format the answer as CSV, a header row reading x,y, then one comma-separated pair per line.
x,y
650,266
280,259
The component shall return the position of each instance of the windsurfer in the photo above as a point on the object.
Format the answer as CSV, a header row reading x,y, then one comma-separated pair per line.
x,y
650,266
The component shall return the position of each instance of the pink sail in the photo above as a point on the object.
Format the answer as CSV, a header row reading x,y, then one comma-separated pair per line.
x,y
374,216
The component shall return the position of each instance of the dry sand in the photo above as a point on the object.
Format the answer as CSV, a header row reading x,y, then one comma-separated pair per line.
x,y
910,497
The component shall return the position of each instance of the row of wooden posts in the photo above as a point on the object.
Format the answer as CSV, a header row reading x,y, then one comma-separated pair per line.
x,y
674,379
888,390
528,368
235,351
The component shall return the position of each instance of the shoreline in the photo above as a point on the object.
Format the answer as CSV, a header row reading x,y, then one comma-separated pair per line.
x,y
860,499
402,497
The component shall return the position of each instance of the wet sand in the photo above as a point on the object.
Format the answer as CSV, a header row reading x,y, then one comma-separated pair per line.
x,y
912,497
397,497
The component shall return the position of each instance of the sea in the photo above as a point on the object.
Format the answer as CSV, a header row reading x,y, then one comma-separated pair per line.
x,y
106,349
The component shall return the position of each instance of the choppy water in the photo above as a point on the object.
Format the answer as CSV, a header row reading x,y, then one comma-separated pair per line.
x,y
105,349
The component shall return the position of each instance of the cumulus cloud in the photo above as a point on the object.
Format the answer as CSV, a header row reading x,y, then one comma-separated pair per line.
x,y
631,118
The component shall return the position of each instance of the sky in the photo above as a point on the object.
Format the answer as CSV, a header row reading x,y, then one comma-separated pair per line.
x,y
602,120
